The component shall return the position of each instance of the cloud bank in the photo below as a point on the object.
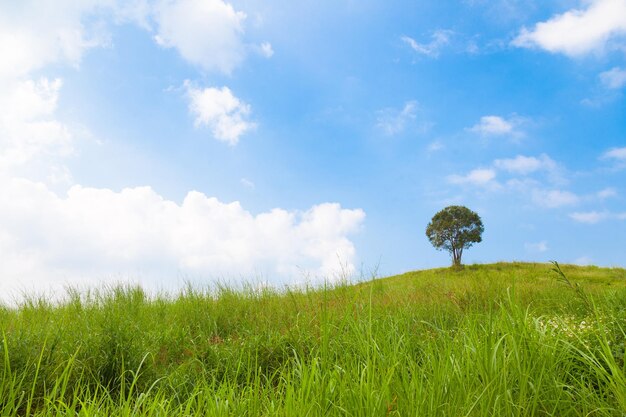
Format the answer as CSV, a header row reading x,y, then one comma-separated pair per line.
x,y
90,233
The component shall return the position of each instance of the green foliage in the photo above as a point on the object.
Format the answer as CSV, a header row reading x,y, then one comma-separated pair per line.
x,y
502,339
454,229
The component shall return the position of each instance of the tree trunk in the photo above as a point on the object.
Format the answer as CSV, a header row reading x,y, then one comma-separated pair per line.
x,y
456,257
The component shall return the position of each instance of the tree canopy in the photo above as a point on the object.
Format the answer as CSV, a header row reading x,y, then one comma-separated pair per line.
x,y
454,229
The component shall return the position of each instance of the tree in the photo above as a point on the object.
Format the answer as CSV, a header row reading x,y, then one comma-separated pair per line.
x,y
455,228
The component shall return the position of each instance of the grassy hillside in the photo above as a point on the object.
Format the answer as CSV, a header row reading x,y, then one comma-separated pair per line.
x,y
493,340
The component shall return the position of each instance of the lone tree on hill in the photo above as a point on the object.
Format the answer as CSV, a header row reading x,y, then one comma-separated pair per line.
x,y
455,228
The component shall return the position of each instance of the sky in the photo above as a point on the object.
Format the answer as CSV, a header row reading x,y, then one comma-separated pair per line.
x,y
167,142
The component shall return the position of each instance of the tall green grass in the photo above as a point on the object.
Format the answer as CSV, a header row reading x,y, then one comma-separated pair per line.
x,y
490,340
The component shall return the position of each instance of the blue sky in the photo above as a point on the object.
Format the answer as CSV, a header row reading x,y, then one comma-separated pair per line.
x,y
159,141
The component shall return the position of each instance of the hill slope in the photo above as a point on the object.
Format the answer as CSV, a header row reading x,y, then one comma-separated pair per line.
x,y
501,339
491,282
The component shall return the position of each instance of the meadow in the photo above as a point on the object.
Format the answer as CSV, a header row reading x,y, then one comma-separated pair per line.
x,y
507,339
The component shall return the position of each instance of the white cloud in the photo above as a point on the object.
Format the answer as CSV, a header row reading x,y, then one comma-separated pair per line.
x,y
595,102
525,165
521,183
266,50
589,217
435,146
496,126
606,193
554,198
614,78
615,153
578,32
247,183
477,177
207,33
37,33
541,190
440,38
221,111
28,128
537,247
84,234
593,217
34,34
393,122
48,239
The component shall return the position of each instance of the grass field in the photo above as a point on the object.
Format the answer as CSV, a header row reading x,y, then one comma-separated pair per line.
x,y
509,339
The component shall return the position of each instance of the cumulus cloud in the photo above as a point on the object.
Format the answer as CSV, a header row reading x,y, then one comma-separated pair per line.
x,y
476,177
618,154
51,236
393,121
521,183
46,238
535,192
34,140
525,165
207,33
554,198
219,110
439,39
536,180
578,32
496,126
614,78
28,127
34,34
37,33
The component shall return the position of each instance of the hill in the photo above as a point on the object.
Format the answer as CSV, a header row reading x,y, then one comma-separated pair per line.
x,y
500,339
